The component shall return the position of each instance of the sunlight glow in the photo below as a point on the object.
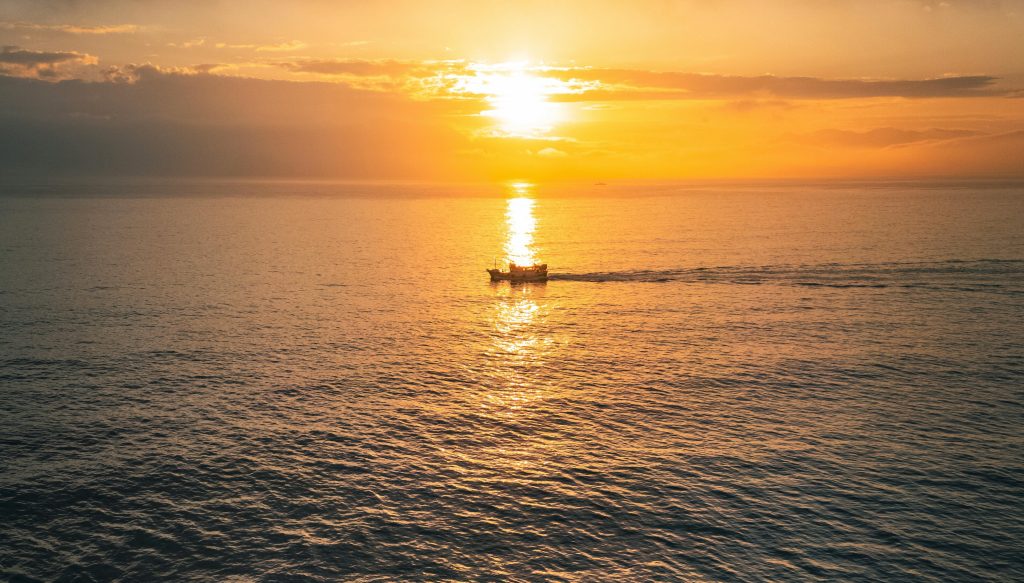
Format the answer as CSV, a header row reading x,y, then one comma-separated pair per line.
x,y
519,346
518,97
520,104
521,224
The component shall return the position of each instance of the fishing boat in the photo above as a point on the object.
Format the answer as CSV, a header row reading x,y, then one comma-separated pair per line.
x,y
535,272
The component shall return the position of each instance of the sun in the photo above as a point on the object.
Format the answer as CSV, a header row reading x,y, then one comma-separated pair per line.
x,y
518,98
519,103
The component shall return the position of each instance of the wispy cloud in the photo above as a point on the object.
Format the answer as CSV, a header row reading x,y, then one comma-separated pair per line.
x,y
419,79
596,84
295,45
629,84
283,47
551,153
883,137
189,44
72,28
133,73
52,65
360,67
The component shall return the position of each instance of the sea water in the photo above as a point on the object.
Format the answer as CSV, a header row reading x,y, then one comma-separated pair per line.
x,y
292,381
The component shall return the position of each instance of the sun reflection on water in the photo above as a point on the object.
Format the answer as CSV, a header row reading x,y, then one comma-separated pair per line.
x,y
519,348
520,342
521,224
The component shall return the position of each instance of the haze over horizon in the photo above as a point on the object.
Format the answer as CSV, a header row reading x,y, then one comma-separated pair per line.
x,y
540,91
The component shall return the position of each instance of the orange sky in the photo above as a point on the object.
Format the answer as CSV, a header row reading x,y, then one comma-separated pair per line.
x,y
531,90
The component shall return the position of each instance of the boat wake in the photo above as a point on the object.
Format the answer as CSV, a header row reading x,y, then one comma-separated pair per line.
x,y
984,275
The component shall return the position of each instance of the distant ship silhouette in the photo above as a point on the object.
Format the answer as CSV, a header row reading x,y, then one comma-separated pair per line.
x,y
535,272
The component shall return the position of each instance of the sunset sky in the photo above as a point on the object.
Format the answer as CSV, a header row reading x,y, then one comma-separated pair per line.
x,y
540,90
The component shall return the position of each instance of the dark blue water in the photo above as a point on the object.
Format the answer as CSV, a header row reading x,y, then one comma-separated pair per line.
x,y
319,383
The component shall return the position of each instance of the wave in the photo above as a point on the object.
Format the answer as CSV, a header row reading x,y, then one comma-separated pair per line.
x,y
982,275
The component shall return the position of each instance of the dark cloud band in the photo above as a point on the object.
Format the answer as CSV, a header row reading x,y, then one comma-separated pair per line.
x,y
625,84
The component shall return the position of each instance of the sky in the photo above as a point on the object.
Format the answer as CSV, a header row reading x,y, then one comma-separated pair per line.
x,y
552,90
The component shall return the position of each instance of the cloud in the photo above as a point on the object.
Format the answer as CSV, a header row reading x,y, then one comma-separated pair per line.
x,y
189,44
359,67
629,84
421,79
132,73
749,105
236,46
551,153
998,155
186,123
72,28
189,121
883,137
294,45
52,65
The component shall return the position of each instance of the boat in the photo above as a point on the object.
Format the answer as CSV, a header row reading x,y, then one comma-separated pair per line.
x,y
535,272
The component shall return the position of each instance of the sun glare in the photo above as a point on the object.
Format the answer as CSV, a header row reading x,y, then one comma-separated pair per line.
x,y
521,224
518,99
519,103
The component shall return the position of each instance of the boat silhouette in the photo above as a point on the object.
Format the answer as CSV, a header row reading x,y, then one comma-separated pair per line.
x,y
535,272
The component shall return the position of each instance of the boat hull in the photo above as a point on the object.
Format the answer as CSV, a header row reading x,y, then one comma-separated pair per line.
x,y
498,275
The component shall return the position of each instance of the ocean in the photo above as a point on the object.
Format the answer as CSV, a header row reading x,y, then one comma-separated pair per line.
x,y
275,381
